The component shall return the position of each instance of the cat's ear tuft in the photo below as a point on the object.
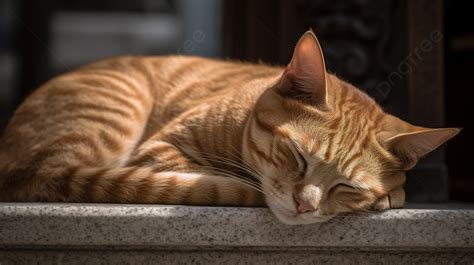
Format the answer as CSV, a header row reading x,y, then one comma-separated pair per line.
x,y
305,76
409,147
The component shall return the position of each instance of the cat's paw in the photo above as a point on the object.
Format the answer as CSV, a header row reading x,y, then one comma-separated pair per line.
x,y
394,200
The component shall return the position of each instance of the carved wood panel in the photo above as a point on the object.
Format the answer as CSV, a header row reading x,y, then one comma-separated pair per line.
x,y
355,36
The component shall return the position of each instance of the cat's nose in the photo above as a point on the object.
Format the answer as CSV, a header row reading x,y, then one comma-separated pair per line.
x,y
307,197
303,206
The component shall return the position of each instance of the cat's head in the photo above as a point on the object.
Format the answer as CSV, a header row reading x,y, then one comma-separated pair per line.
x,y
323,147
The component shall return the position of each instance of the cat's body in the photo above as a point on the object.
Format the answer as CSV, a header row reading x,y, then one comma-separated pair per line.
x,y
189,130
165,114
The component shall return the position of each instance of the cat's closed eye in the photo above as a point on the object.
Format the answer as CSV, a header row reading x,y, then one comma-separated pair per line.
x,y
344,188
303,168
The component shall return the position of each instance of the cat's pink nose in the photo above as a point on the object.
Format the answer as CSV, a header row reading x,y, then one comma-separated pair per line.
x,y
303,207
307,197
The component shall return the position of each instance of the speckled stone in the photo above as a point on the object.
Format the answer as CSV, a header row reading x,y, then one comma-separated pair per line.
x,y
233,257
90,233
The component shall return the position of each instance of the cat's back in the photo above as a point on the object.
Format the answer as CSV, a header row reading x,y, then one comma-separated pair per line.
x,y
187,82
123,95
155,81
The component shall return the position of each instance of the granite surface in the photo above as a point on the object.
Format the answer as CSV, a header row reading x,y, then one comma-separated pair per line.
x,y
100,226
233,257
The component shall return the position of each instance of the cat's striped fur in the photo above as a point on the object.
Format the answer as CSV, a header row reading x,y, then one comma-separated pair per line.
x,y
189,130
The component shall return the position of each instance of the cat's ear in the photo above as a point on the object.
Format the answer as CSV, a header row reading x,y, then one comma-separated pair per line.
x,y
305,76
410,146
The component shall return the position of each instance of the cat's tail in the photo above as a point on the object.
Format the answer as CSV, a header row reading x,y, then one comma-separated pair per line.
x,y
137,185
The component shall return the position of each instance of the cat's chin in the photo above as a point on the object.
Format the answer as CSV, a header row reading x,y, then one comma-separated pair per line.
x,y
292,218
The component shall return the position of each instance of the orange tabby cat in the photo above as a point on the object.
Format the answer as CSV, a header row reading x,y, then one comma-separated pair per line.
x,y
189,130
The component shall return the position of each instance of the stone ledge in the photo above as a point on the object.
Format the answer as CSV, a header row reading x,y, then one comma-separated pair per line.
x,y
101,226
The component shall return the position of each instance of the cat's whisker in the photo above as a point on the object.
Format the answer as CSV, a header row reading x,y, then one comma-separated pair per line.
x,y
216,158
244,166
227,173
270,188
235,165
273,191
248,165
241,162
256,185
229,162
238,180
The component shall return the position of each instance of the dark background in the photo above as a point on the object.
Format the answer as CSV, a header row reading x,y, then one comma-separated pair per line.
x,y
389,48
